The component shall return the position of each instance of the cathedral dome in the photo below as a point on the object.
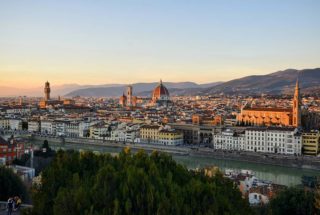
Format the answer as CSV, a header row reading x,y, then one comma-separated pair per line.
x,y
160,92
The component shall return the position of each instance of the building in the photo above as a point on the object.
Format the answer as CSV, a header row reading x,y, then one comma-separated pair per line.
x,y
296,111
47,101
34,126
22,110
60,127
258,196
4,123
198,119
273,140
47,127
170,137
273,116
229,140
129,95
311,143
72,129
15,124
99,131
128,100
10,150
195,134
123,100
47,91
84,127
160,96
149,133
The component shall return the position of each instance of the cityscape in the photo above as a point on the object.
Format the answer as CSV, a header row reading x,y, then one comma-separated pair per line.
x,y
139,132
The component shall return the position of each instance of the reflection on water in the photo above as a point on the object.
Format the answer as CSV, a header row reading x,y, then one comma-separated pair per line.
x,y
279,175
276,174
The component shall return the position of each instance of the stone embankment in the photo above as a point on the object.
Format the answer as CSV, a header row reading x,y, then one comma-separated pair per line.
x,y
301,162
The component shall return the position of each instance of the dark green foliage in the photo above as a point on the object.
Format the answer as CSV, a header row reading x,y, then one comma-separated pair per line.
x,y
45,145
132,184
294,201
22,161
24,125
11,185
45,151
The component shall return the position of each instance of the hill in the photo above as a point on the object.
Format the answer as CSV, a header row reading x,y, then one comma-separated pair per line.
x,y
56,90
281,82
141,89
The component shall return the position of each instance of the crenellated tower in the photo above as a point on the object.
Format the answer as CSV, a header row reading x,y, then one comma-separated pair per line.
x,y
47,91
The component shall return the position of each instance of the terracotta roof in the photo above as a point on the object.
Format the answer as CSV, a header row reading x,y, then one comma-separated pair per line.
x,y
269,109
159,91
150,126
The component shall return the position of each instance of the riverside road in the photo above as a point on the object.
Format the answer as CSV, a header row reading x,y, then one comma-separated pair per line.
x,y
302,162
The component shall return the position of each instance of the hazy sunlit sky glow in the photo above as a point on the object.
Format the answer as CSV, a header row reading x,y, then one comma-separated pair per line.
x,y
126,41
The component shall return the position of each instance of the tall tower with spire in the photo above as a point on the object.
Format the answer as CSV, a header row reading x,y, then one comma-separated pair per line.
x,y
47,91
296,112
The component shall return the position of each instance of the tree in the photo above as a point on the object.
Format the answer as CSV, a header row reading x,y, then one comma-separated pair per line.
x,y
45,145
11,185
293,201
24,125
317,198
85,183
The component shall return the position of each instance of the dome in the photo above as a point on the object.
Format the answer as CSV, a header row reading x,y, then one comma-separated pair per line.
x,y
160,92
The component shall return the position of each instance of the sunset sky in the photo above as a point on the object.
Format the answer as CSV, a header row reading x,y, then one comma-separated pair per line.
x,y
126,41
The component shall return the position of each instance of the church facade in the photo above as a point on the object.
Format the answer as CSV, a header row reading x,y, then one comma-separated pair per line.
x,y
128,100
273,116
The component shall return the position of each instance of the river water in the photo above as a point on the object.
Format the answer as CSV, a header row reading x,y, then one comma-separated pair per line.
x,y
279,175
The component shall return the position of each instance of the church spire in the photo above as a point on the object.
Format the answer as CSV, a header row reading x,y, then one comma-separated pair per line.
x,y
296,111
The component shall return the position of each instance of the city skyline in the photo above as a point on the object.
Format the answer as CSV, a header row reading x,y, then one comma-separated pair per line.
x,y
111,42
159,107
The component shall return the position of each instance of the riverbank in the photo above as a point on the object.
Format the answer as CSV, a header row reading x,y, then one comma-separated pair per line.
x,y
299,162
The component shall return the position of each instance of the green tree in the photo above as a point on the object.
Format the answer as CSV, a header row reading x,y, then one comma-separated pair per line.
x,y
294,201
132,184
11,185
46,146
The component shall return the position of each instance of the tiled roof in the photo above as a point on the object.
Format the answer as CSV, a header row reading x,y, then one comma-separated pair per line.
x,y
269,109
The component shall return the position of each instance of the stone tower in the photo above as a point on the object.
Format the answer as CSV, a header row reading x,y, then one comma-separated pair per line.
x,y
47,91
129,95
296,112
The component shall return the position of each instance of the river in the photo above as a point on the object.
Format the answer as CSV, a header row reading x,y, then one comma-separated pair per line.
x,y
277,174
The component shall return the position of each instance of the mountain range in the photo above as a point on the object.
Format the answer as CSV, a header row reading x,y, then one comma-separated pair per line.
x,y
281,82
142,89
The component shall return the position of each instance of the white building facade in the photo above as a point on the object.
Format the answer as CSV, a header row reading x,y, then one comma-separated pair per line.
x,y
286,141
34,126
229,140
274,140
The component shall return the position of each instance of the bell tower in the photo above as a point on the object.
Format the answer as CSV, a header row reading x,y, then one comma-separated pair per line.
x,y
129,95
47,91
296,111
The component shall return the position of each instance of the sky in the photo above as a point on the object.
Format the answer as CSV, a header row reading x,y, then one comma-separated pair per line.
x,y
128,41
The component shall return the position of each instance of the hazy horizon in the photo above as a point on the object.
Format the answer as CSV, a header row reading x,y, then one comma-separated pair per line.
x,y
142,41
53,84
